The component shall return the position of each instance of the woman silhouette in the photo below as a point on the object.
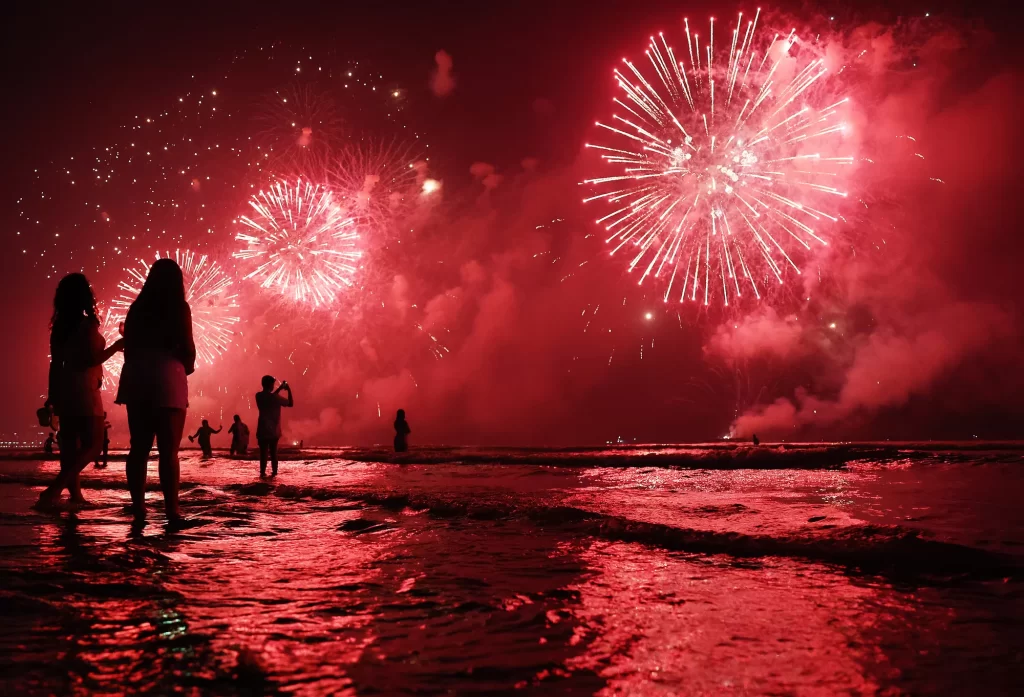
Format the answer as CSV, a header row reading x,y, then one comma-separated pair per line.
x,y
402,432
159,353
77,354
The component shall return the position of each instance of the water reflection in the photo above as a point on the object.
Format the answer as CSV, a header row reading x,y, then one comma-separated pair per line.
x,y
369,579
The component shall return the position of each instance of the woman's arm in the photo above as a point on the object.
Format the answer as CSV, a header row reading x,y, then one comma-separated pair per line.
x,y
219,429
98,353
188,344
53,379
111,350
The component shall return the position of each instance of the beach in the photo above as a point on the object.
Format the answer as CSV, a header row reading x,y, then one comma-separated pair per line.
x,y
644,570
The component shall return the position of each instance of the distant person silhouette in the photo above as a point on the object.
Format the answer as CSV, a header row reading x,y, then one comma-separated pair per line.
x,y
48,445
159,354
77,354
102,461
239,437
268,428
203,436
402,432
757,441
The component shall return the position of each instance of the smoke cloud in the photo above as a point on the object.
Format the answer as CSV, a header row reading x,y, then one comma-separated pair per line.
x,y
442,81
927,308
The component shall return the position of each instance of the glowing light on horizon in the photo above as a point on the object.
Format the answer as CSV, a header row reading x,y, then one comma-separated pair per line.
x,y
727,175
300,243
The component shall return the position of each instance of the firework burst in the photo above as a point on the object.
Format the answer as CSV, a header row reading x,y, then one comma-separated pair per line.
x,y
729,163
300,243
208,290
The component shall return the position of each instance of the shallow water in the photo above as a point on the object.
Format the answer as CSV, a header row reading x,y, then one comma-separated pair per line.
x,y
826,570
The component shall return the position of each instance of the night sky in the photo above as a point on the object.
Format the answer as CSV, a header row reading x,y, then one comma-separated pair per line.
x,y
477,315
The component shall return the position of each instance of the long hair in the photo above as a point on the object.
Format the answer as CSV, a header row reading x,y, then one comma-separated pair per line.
x,y
72,303
164,289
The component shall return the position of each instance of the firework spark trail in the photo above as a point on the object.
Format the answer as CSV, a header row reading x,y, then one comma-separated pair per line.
x,y
725,173
379,181
208,290
301,243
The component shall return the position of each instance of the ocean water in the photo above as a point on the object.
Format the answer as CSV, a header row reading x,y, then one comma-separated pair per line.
x,y
698,570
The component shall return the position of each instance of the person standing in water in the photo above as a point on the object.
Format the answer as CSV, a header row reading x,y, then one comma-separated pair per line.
x,y
203,436
48,445
402,432
268,428
239,437
159,355
102,461
77,355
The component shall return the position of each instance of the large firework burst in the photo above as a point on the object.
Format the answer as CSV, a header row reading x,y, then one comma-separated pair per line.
x,y
300,243
730,163
208,290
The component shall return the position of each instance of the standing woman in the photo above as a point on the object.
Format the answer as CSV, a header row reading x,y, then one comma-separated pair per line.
x,y
77,354
159,353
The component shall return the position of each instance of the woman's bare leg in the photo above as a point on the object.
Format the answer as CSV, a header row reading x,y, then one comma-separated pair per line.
x,y
141,428
170,427
68,442
78,447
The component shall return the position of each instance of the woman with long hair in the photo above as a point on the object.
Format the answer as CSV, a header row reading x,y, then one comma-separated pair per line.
x,y
159,354
77,355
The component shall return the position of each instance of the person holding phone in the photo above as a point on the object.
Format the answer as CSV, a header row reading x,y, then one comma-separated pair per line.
x,y
268,429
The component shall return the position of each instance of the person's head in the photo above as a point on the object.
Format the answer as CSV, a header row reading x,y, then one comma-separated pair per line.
x,y
164,289
268,382
206,423
237,418
400,416
72,301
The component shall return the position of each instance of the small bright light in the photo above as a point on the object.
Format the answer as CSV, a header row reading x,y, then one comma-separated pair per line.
x,y
649,316
430,186
395,93
832,326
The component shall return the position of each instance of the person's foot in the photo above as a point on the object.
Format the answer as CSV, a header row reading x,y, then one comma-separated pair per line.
x,y
100,465
274,473
263,474
46,500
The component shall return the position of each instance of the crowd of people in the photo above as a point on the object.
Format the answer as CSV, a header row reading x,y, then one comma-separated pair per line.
x,y
159,355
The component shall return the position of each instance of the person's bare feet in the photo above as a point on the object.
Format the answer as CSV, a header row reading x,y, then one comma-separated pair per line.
x,y
47,499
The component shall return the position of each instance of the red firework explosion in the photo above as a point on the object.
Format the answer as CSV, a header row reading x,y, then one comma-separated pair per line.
x,y
730,163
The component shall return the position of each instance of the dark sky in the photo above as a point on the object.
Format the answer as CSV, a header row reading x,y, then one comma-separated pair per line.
x,y
73,73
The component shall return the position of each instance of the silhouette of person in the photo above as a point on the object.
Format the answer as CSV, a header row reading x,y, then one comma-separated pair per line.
x,y
48,445
757,441
102,462
203,436
239,437
268,428
77,355
402,432
159,355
